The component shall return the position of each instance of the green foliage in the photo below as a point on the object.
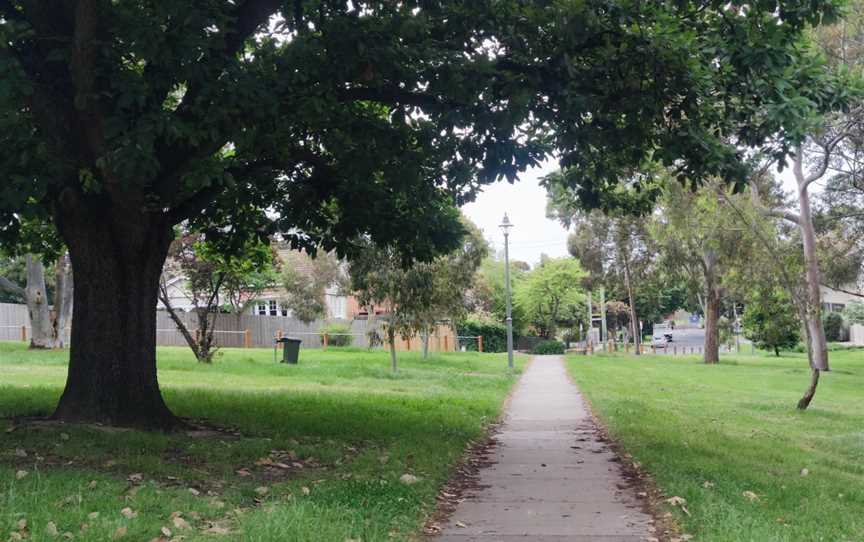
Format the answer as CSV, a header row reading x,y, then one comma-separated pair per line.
x,y
489,294
854,312
494,334
770,320
551,295
338,334
306,280
833,324
548,348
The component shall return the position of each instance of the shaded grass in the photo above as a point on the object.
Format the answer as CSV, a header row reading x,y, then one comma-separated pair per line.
x,y
735,426
343,427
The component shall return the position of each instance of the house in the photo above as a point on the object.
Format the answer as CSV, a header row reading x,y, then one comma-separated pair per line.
x,y
835,300
271,302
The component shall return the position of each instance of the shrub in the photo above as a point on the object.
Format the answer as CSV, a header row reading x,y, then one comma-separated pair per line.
x,y
336,334
833,324
494,335
548,347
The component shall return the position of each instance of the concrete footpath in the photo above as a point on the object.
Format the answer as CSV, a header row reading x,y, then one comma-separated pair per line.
x,y
551,479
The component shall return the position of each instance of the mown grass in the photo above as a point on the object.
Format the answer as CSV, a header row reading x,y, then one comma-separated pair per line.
x,y
342,427
735,427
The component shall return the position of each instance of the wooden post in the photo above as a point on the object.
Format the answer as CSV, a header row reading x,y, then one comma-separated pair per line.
x,y
278,334
247,338
653,348
446,348
480,343
326,339
626,348
675,350
24,334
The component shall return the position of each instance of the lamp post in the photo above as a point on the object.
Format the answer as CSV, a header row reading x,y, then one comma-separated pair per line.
x,y
505,226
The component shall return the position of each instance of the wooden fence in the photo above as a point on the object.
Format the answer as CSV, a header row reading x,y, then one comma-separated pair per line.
x,y
244,331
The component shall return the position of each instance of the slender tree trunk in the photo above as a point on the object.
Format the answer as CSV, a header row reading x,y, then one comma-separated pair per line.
x,y
391,340
117,254
36,296
634,322
819,352
425,338
712,308
63,293
811,390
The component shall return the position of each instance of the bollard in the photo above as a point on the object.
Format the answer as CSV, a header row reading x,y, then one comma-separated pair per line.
x,y
446,348
326,339
480,343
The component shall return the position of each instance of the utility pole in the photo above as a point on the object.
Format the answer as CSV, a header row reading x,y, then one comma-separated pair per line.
x,y
505,226
590,323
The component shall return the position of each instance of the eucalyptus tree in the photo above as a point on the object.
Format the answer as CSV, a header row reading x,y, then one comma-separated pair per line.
x,y
329,120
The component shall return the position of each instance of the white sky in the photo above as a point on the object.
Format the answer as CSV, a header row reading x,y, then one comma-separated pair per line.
x,y
525,203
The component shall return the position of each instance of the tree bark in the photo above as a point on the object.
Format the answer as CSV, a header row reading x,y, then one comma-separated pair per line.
x,y
391,340
36,297
112,360
63,293
634,322
712,309
425,338
811,390
819,345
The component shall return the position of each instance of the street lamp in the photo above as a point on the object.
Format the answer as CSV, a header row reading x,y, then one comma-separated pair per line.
x,y
505,226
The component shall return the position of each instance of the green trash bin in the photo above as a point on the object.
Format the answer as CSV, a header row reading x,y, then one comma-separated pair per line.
x,y
290,350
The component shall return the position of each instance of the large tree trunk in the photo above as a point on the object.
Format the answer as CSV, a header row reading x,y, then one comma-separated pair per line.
x,y
118,260
634,322
36,297
712,308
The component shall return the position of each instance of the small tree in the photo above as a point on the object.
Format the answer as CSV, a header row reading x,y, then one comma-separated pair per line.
x,y
770,320
833,323
417,295
854,312
306,281
551,295
211,276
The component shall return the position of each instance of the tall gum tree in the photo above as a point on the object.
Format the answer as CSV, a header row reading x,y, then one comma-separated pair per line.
x,y
329,120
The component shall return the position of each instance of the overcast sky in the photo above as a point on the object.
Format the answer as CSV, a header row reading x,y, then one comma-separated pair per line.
x,y
525,203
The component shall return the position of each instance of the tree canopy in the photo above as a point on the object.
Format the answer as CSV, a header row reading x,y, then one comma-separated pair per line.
x,y
332,121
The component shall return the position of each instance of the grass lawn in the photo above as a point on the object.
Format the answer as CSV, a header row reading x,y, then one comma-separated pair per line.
x,y
319,455
735,427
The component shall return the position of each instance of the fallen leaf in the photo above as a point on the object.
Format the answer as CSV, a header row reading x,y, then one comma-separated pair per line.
x,y
751,496
263,490
128,513
20,452
21,474
165,531
460,525
15,537
408,479
805,472
707,485
180,523
92,515
194,491
51,529
119,533
136,478
676,501
68,536
92,484
22,524
305,490
243,472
